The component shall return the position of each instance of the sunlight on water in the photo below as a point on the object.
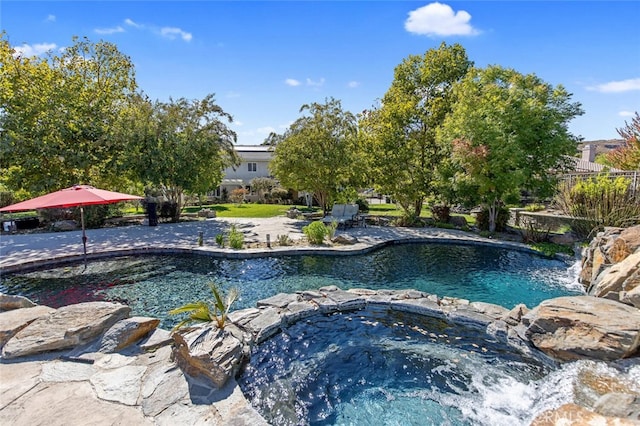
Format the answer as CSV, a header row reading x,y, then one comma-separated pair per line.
x,y
379,367
153,285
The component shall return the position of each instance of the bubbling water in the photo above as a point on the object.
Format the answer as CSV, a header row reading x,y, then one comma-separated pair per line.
x,y
382,367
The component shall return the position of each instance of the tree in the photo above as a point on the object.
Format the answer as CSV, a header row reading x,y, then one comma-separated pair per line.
x,y
179,146
507,132
58,113
401,133
627,157
318,153
262,185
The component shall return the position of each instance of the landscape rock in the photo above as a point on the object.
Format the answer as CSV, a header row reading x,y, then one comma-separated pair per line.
x,y
119,385
572,414
156,339
514,316
65,328
459,222
127,332
584,327
209,352
631,297
615,404
64,225
344,239
280,300
494,311
609,247
15,320
9,302
614,279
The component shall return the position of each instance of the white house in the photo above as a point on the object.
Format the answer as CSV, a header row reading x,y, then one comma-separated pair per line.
x,y
254,163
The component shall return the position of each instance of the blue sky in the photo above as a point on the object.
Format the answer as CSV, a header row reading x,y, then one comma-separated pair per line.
x,y
265,59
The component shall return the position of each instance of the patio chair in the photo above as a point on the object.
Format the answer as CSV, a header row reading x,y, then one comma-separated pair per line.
x,y
343,214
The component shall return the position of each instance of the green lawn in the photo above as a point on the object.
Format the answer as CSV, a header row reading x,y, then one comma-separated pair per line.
x,y
245,210
392,210
273,210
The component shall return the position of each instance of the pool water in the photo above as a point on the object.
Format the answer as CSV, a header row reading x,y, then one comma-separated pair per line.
x,y
153,285
383,367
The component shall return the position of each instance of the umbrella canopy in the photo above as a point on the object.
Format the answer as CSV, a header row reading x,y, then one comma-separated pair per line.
x,y
75,196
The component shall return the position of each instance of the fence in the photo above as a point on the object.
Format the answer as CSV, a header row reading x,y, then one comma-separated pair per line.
x,y
633,176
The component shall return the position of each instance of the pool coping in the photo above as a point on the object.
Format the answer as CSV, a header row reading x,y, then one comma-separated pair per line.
x,y
249,253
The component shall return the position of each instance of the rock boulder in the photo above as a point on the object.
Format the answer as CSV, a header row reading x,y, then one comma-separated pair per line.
x,y
9,302
572,414
584,327
209,352
15,320
65,328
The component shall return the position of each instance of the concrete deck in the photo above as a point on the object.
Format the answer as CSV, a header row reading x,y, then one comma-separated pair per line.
x,y
23,251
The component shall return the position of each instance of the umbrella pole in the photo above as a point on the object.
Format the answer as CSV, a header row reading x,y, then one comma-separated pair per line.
x,y
84,236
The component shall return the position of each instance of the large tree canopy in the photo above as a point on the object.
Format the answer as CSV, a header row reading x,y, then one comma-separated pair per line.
x,y
318,153
57,115
401,133
508,132
178,146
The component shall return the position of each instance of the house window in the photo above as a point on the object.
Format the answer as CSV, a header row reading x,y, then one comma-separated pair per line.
x,y
253,167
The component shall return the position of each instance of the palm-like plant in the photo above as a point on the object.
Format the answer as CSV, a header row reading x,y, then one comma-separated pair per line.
x,y
215,310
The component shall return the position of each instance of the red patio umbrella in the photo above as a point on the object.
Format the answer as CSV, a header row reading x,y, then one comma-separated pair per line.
x,y
75,196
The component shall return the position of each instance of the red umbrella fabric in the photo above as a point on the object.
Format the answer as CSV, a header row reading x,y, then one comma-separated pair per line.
x,y
75,196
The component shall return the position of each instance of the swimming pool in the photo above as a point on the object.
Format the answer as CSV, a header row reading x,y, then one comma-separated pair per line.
x,y
152,285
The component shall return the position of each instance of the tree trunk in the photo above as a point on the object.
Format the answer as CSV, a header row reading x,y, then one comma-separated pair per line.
x,y
493,213
174,195
418,206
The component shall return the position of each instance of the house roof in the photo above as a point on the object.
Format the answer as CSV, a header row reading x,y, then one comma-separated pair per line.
x,y
589,166
252,148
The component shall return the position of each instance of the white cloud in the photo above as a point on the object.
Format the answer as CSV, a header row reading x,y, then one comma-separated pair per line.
x,y
173,32
617,86
232,95
50,18
238,123
27,50
113,30
353,84
292,82
627,114
318,83
131,23
437,19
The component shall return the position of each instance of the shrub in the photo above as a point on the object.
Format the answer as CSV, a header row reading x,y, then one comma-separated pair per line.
x,y
220,240
216,310
551,249
235,238
331,229
441,213
598,202
315,232
283,240
237,195
531,233
363,205
482,220
7,198
279,194
534,207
